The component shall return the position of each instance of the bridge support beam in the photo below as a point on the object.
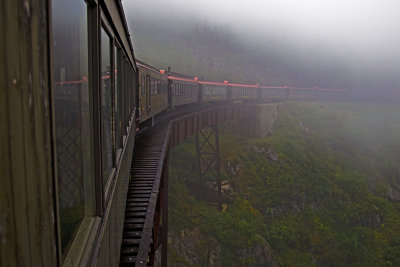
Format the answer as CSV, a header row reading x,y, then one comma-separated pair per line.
x,y
208,161
164,233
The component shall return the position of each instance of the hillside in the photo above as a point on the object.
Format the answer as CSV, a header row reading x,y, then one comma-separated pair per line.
x,y
321,190
217,53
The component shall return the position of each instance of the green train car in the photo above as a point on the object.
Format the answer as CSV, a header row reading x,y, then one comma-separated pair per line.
x,y
68,121
153,93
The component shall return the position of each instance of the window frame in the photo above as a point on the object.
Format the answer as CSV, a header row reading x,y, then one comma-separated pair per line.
x,y
111,175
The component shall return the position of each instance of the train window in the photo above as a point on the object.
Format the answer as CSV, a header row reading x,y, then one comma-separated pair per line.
x,y
128,93
143,86
151,86
106,106
117,111
158,86
133,88
72,106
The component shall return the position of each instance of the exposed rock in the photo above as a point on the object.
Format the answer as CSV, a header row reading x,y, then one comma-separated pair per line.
x,y
269,152
232,169
393,193
227,191
261,252
307,131
195,248
227,188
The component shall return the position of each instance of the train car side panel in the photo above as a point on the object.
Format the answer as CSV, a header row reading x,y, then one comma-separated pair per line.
x,y
27,211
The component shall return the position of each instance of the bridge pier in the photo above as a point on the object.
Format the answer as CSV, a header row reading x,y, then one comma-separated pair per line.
x,y
261,123
208,161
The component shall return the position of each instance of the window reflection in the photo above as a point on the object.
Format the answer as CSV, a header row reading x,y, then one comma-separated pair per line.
x,y
72,120
117,93
106,105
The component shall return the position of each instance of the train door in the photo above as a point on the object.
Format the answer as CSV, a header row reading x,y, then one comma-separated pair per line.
x,y
143,101
170,83
148,104
229,93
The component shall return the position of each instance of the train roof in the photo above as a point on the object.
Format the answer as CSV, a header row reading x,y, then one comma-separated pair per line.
x,y
147,66
182,79
243,85
212,83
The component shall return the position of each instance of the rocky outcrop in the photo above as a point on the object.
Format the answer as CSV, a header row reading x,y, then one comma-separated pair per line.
x,y
260,252
231,169
393,193
268,152
195,248
227,191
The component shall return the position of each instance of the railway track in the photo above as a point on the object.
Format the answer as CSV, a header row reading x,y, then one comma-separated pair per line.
x,y
142,208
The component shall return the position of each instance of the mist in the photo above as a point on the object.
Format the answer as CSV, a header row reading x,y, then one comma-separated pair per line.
x,y
358,38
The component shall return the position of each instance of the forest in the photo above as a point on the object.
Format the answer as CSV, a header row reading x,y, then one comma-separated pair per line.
x,y
322,189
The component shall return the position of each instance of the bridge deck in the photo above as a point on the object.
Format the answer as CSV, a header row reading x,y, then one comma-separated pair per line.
x,y
142,193
148,187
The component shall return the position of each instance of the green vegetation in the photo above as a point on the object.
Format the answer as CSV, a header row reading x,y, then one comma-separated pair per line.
x,y
331,198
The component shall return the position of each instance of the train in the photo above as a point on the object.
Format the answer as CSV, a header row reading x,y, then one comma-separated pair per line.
x,y
161,90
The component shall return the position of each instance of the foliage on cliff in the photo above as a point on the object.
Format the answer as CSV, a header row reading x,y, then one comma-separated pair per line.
x,y
330,195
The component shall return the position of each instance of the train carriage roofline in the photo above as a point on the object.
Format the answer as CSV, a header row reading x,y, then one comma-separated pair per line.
x,y
148,67
272,87
182,79
212,83
243,85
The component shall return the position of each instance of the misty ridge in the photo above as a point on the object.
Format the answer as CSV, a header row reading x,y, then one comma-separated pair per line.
x,y
194,44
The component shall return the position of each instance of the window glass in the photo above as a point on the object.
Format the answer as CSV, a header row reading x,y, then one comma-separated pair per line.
x,y
72,116
118,137
131,89
152,87
143,86
106,105
128,93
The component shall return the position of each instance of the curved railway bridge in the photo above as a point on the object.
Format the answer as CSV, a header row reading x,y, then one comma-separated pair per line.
x,y
147,196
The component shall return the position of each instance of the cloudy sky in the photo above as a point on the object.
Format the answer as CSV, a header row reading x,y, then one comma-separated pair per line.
x,y
367,31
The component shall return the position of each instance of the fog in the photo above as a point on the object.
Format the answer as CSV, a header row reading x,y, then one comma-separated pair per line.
x,y
361,36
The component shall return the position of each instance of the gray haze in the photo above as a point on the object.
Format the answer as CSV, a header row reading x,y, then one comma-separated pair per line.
x,y
362,36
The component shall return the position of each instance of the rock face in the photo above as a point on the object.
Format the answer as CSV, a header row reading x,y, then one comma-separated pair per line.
x,y
201,250
195,248
234,170
269,152
261,253
393,193
227,191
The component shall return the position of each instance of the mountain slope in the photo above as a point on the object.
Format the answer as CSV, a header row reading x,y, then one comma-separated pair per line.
x,y
216,53
323,189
